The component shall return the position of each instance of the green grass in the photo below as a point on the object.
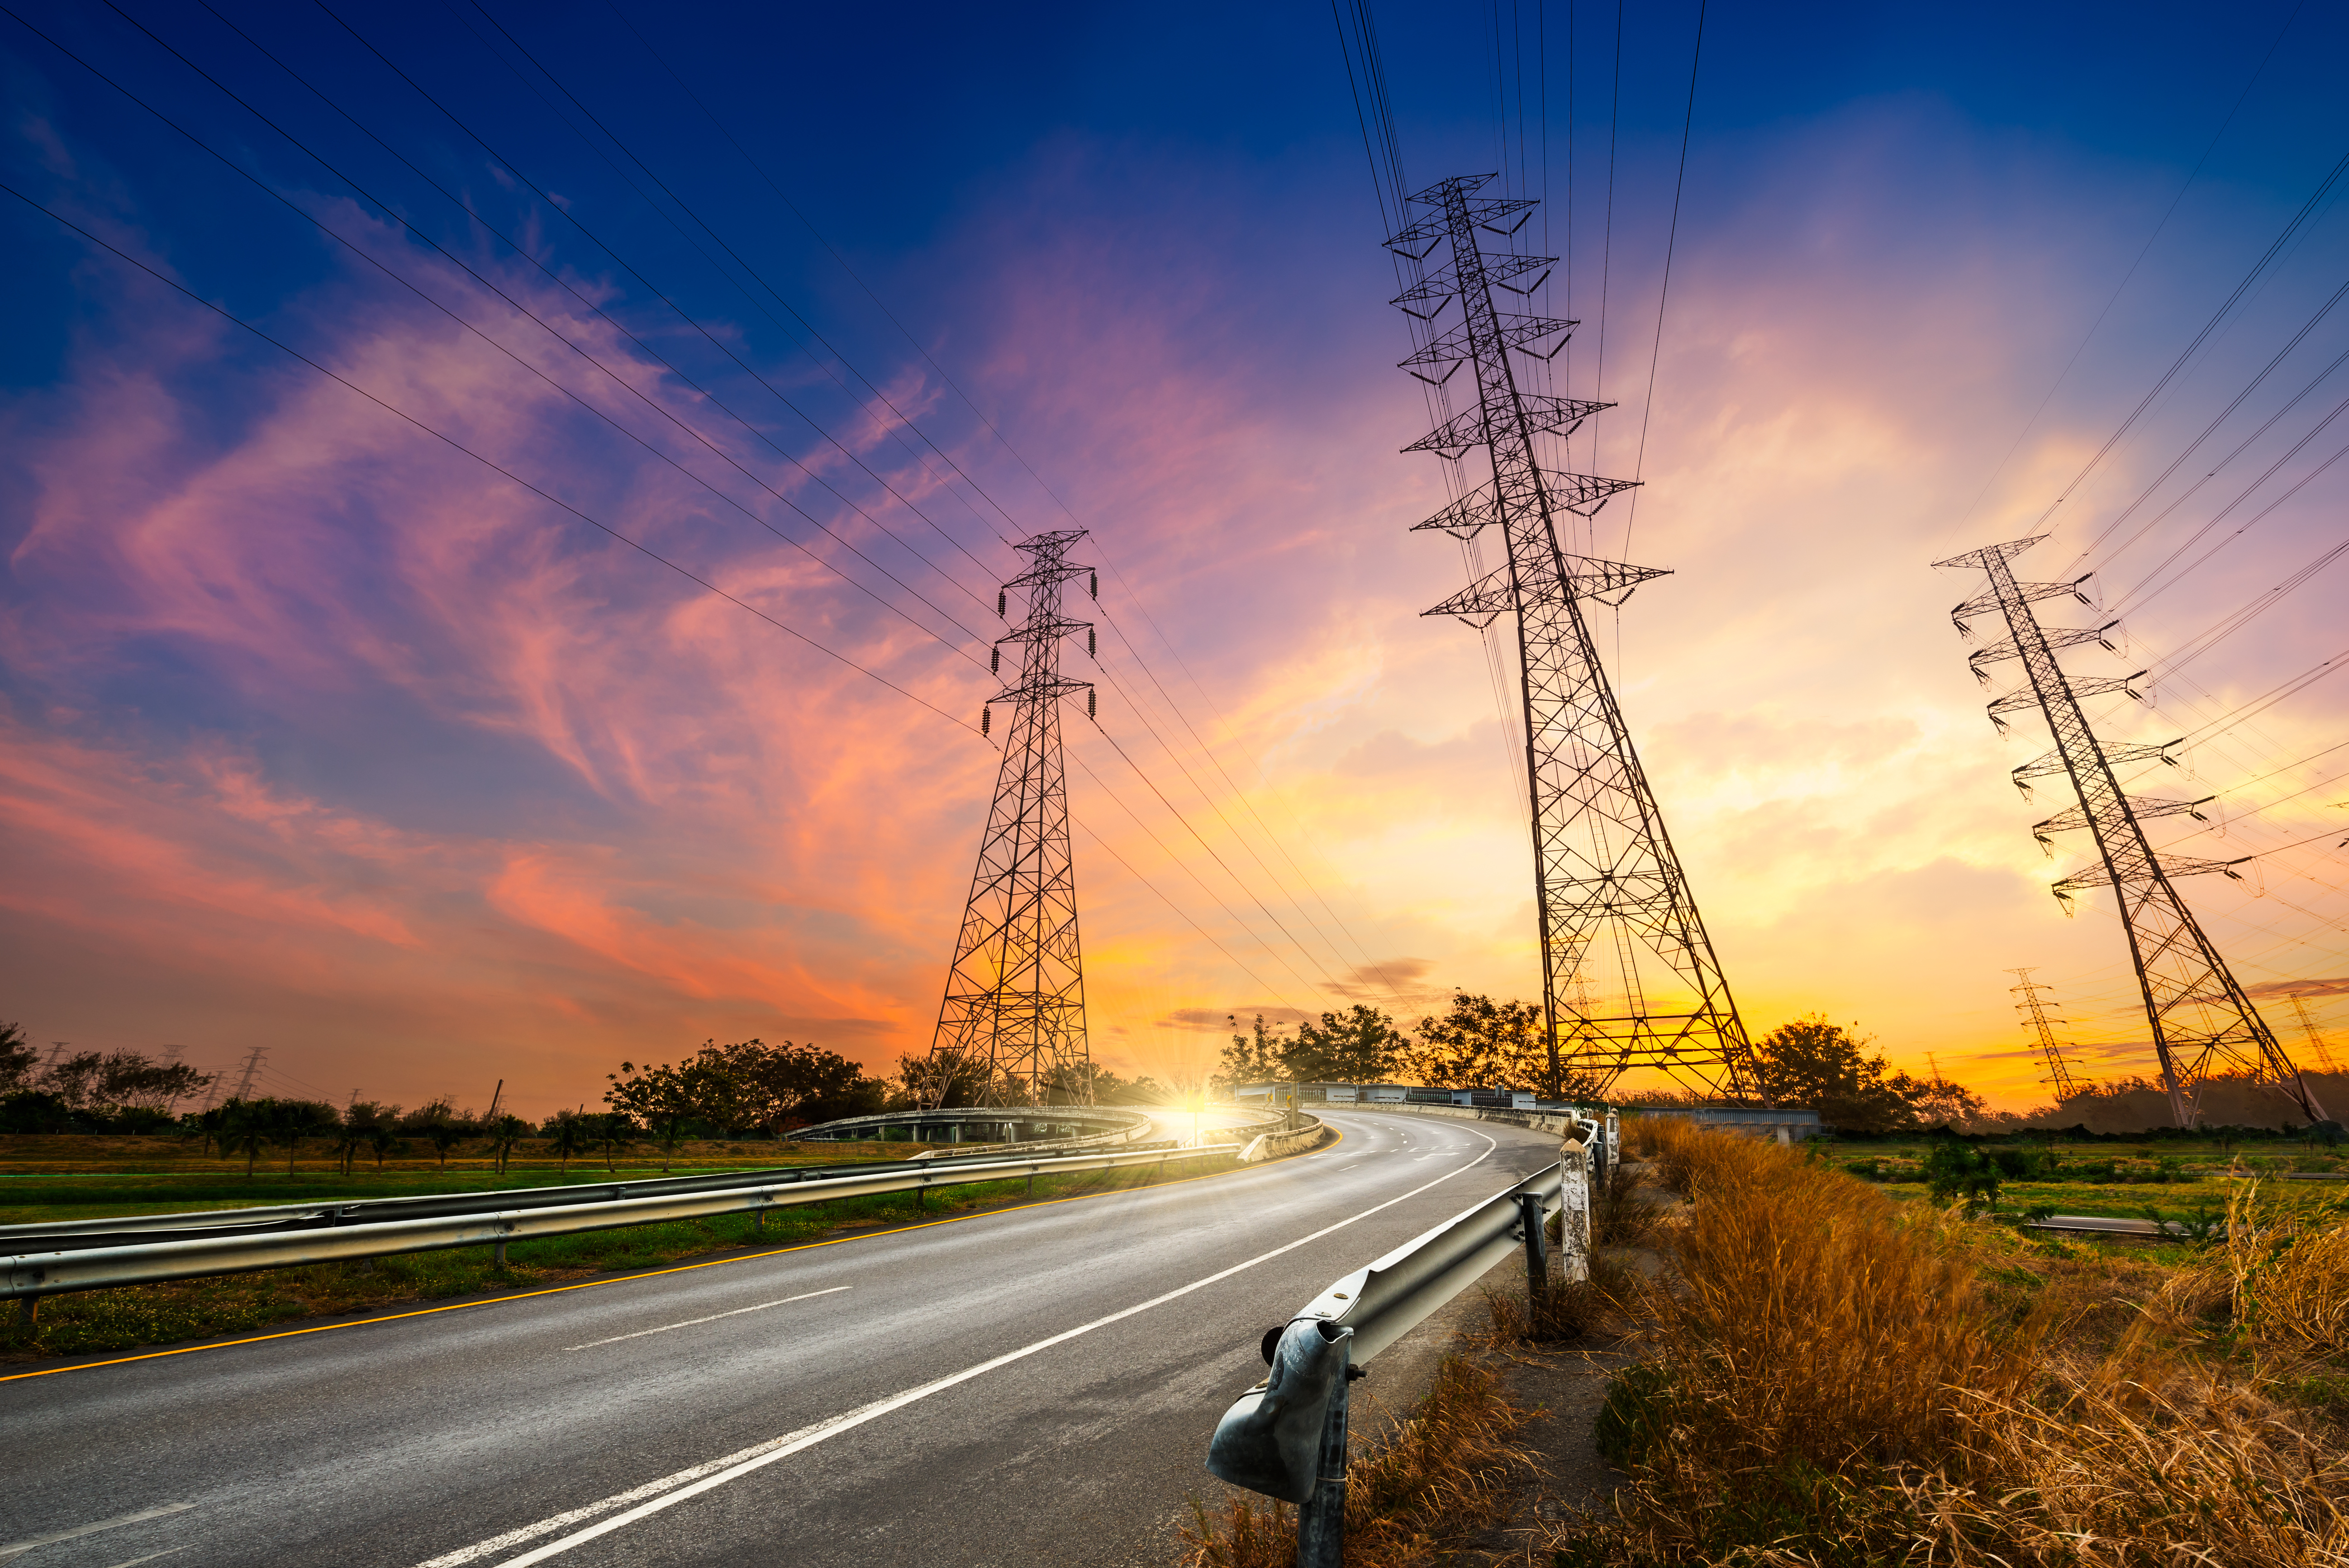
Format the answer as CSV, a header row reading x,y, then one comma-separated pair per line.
x,y
196,1183
88,1321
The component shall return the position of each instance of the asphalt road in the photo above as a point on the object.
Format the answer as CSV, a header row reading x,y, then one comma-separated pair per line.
x,y
1035,1386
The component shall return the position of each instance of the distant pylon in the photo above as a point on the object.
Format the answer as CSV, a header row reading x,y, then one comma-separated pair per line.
x,y
2203,1025
1014,1012
252,1062
2060,1076
2322,1052
1609,890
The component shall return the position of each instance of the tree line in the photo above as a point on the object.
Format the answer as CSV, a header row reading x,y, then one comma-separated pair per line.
x,y
1478,1043
88,1092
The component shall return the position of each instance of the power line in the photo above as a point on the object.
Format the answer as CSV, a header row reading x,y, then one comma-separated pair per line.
x,y
1663,295
2143,250
2259,267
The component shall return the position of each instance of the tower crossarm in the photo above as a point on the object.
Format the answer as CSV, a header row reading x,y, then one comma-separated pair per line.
x,y
2096,876
1518,332
2114,753
2204,1025
2067,637
1438,288
1447,195
2075,817
1582,494
1469,428
1491,594
2023,696
1984,603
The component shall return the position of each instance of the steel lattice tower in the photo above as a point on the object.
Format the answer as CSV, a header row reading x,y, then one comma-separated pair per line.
x,y
2035,1012
1014,1013
2203,1025
1612,899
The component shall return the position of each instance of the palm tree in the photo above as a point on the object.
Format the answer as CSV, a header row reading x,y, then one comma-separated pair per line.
x,y
569,1135
244,1129
504,1133
616,1133
445,1135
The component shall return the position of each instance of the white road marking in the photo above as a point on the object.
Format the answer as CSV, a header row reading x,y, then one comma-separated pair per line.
x,y
674,1489
134,1561
713,1317
17,1548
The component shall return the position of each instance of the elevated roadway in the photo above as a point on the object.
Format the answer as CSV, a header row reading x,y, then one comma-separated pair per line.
x,y
1031,1385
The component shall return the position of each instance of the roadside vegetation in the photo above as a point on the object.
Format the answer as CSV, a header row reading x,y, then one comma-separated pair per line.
x,y
142,1316
1829,1376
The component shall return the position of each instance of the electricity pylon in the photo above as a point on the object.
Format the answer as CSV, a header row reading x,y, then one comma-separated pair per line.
x,y
1013,1018
1609,889
2316,1046
2059,1077
2203,1024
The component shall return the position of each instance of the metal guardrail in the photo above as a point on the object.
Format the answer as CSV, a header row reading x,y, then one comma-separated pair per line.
x,y
1286,1438
1088,1125
34,1274
125,1230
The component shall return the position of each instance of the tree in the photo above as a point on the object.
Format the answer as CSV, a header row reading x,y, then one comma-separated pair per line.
x,y
16,1059
243,1127
504,1133
659,1097
569,1132
1482,1043
1252,1058
1955,1170
1812,1062
356,1130
1358,1045
382,1137
615,1132
295,1120
436,1122
949,1079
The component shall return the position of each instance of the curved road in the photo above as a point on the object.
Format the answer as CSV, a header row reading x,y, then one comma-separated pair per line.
x,y
1032,1386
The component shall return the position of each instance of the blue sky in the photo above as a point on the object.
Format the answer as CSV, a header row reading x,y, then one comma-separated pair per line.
x,y
346,743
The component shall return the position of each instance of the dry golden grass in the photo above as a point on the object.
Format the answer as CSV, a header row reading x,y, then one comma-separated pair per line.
x,y
2289,1274
1447,1470
1833,1382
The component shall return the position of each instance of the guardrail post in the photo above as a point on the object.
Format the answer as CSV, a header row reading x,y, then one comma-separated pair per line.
x,y
1536,1225
1322,1521
1574,1211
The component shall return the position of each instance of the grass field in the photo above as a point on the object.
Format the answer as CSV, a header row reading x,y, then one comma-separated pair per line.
x,y
98,1184
2118,1179
68,1178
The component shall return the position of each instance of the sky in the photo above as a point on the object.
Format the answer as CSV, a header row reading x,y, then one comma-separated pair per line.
x,y
501,509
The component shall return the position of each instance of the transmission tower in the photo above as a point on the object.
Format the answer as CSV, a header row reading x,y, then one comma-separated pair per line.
x,y
2060,1076
251,1063
2316,1046
1609,888
1014,1013
2203,1024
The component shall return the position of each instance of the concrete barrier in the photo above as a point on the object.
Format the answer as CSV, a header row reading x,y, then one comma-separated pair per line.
x,y
1274,1145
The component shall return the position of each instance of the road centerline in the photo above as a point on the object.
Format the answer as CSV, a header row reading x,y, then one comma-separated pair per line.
x,y
713,1317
